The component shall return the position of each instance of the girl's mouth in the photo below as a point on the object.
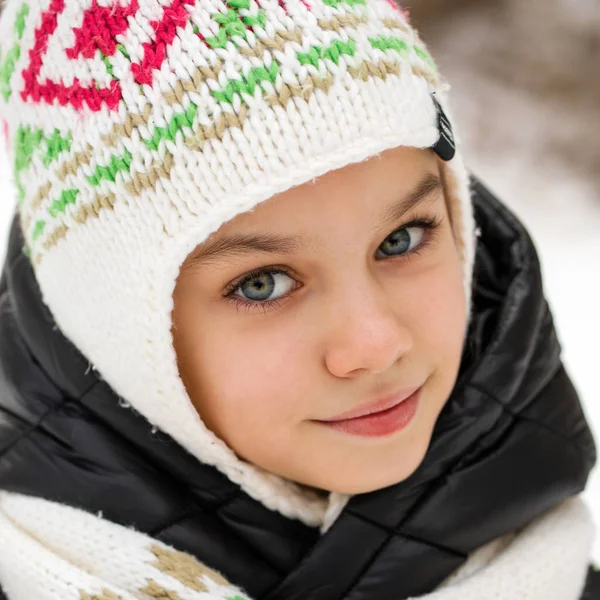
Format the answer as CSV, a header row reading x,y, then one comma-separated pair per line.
x,y
384,422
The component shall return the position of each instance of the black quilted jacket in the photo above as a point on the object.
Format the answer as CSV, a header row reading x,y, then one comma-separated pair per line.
x,y
511,442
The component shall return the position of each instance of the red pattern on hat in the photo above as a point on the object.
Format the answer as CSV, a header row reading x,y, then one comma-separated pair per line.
x,y
155,52
50,92
100,27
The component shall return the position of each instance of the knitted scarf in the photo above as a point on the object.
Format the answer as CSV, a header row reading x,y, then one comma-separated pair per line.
x,y
62,553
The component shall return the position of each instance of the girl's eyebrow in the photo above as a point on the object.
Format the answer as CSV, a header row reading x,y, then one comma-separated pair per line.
x,y
429,184
243,243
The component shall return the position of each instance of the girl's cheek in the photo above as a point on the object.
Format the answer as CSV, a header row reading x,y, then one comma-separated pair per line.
x,y
257,374
437,314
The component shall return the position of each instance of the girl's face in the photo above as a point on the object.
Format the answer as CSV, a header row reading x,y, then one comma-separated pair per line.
x,y
295,317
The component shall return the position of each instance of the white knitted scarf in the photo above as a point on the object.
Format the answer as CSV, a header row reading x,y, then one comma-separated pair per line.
x,y
55,552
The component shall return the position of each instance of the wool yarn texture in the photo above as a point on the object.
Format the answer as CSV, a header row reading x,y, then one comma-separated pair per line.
x,y
62,553
136,128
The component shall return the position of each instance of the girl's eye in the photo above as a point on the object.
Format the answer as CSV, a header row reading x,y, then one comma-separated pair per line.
x,y
265,287
261,288
402,241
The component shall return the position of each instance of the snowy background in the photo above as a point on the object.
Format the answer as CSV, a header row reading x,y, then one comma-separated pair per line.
x,y
526,94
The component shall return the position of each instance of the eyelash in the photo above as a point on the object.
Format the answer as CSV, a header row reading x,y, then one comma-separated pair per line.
x,y
428,224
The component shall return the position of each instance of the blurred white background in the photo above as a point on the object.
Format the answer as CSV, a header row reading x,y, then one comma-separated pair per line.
x,y
526,94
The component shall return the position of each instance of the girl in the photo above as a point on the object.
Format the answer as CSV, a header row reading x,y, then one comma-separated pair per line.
x,y
261,336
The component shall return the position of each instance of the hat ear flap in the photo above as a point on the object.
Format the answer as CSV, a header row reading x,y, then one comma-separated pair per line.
x,y
457,193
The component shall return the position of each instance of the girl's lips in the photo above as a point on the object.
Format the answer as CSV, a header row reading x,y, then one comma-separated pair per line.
x,y
384,422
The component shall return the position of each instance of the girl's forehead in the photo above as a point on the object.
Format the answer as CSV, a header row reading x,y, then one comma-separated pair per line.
x,y
304,222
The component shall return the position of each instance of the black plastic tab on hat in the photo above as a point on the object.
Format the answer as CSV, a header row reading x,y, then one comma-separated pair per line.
x,y
445,147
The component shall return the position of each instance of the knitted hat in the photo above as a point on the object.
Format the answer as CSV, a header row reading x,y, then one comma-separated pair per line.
x,y
139,127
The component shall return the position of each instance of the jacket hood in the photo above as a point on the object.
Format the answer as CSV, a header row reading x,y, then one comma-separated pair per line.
x,y
511,442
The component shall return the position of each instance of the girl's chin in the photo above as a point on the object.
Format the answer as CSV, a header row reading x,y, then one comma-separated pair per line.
x,y
363,480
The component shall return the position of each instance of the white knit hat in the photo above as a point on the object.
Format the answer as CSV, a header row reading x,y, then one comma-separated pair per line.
x,y
139,127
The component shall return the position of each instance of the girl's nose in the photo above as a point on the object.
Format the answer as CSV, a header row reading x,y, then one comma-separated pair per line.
x,y
365,333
